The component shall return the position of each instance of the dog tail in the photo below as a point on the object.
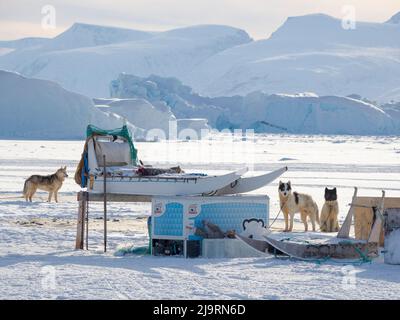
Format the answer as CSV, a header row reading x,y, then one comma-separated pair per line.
x,y
24,191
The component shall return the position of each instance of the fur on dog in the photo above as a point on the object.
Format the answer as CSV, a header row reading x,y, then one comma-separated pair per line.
x,y
294,202
51,183
330,211
150,171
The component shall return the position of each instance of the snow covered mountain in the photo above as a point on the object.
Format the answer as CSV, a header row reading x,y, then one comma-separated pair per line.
x,y
82,35
302,113
86,58
237,82
40,109
311,53
23,43
395,19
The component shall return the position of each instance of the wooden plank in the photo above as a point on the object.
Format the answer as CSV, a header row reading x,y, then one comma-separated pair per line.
x,y
87,224
342,250
80,228
390,202
344,231
378,223
364,219
105,202
115,197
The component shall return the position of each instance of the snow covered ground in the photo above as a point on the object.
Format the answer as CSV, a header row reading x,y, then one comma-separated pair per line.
x,y
38,260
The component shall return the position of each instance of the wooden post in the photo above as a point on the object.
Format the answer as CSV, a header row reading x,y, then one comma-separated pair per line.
x,y
364,215
105,202
344,231
87,222
377,226
363,220
80,230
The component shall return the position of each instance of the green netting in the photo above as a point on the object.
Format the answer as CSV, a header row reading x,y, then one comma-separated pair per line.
x,y
119,132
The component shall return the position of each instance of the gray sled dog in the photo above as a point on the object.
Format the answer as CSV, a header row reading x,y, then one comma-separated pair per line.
x,y
293,202
51,183
330,211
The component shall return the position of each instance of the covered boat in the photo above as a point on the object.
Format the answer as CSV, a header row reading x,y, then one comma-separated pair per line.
x,y
126,175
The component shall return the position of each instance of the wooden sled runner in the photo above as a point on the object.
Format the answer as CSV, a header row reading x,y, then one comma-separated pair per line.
x,y
350,249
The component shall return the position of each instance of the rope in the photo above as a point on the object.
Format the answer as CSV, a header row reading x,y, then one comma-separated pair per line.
x,y
364,258
276,217
374,208
360,206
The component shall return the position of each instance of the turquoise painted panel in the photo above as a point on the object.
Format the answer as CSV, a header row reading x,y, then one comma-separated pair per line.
x,y
230,215
171,222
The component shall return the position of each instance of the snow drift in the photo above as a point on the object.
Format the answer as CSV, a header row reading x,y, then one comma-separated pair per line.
x,y
40,109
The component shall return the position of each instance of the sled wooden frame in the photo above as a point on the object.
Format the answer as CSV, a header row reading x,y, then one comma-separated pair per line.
x,y
364,215
347,248
357,202
84,198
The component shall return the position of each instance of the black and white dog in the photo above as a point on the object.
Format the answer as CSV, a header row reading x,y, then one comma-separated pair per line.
x,y
294,202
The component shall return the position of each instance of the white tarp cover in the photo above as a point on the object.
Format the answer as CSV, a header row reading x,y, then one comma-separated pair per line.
x,y
117,154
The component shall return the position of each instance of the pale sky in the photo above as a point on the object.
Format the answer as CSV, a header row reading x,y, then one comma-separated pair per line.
x,y
23,18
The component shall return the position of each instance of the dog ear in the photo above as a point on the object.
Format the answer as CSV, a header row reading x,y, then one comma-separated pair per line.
x,y
326,189
65,167
289,184
280,182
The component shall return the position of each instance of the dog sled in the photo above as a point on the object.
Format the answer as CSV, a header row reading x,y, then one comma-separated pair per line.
x,y
163,184
319,246
111,155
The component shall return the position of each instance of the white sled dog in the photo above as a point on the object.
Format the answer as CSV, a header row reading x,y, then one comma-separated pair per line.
x,y
51,183
293,202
